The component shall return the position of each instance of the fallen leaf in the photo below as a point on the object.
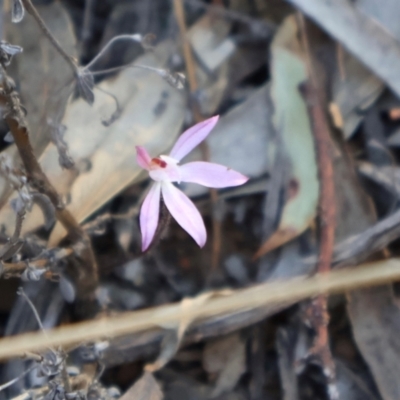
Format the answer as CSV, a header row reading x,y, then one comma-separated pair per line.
x,y
353,91
291,121
146,388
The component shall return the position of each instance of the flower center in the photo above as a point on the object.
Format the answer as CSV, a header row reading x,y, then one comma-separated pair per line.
x,y
164,168
159,162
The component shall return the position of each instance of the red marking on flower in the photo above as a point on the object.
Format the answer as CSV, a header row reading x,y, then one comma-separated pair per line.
x,y
159,162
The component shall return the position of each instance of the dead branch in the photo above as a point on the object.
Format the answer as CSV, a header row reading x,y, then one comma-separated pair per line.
x,y
17,124
41,264
318,313
220,303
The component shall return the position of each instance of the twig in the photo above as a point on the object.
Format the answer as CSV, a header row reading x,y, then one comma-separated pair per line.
x,y
134,347
13,270
327,211
193,85
358,248
220,303
18,225
14,244
187,55
16,122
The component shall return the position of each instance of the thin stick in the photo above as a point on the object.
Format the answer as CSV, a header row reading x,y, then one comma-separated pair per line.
x,y
12,270
327,211
187,51
221,303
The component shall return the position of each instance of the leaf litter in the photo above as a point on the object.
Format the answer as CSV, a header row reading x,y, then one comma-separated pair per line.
x,y
171,322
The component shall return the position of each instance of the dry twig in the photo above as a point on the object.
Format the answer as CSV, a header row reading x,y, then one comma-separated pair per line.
x,y
220,303
17,124
319,316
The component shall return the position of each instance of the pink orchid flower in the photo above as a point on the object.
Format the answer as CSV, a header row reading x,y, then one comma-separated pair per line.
x,y
165,170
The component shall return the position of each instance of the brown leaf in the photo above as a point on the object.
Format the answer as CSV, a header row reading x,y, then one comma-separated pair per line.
x,y
289,70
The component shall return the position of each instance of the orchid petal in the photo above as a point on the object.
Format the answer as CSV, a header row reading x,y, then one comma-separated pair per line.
x,y
211,175
142,157
149,215
192,137
184,212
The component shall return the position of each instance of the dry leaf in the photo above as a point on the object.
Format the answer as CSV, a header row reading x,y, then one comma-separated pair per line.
x,y
352,93
146,388
291,121
358,32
